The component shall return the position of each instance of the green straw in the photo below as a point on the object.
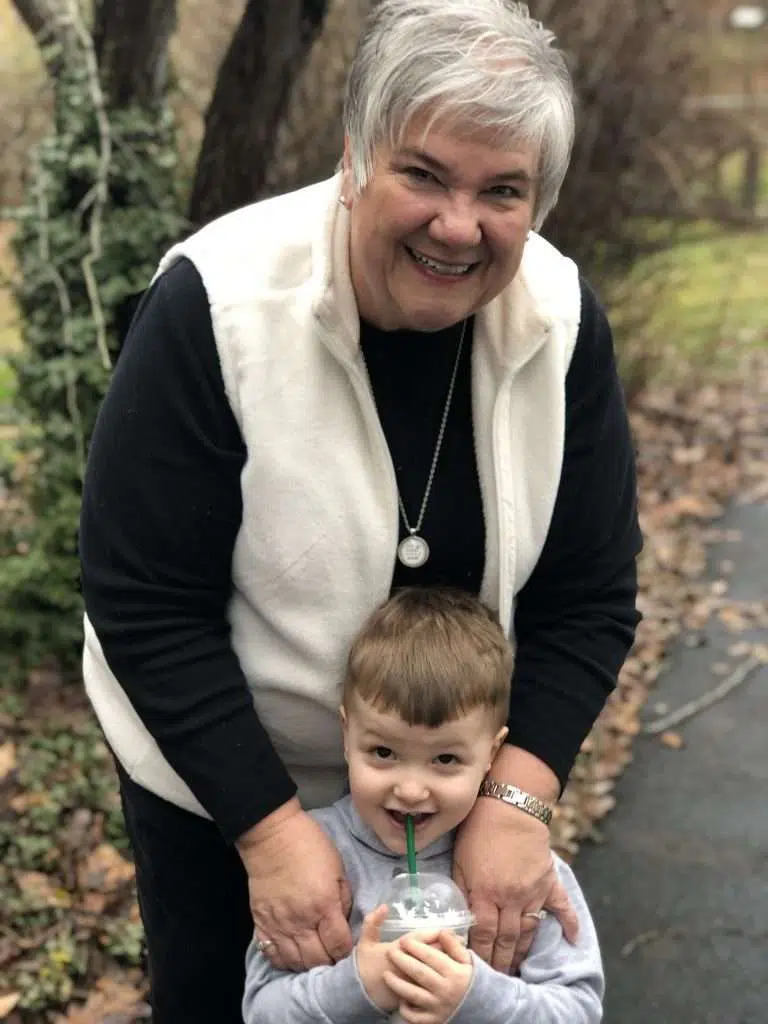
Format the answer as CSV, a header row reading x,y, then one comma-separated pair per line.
x,y
410,846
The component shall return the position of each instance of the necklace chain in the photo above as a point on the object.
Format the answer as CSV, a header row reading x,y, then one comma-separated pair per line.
x,y
438,445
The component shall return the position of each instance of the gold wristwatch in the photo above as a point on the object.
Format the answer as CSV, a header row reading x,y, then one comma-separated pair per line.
x,y
516,798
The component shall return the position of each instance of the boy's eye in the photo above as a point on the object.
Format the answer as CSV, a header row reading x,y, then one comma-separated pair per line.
x,y
383,753
447,759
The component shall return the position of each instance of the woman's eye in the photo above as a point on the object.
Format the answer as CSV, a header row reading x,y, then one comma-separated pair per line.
x,y
383,753
447,759
506,192
420,175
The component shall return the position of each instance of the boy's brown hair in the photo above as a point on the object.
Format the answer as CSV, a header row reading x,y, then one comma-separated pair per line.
x,y
430,655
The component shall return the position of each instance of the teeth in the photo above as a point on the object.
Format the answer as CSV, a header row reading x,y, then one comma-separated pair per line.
x,y
440,268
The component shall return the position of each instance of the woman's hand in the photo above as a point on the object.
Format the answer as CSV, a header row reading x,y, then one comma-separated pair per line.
x,y
503,864
298,892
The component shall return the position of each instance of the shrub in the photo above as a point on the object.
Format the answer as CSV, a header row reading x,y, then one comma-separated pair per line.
x,y
101,205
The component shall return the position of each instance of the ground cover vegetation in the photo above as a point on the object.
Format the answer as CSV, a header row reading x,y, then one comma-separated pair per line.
x,y
112,149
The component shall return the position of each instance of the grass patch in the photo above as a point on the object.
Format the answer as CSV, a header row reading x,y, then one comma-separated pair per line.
x,y
697,306
7,386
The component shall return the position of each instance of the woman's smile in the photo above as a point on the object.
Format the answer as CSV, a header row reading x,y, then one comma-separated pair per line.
x,y
440,269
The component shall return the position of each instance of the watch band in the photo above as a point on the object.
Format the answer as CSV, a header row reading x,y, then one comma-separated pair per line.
x,y
516,798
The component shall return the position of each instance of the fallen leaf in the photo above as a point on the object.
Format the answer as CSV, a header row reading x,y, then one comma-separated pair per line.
x,y
23,801
673,740
733,619
599,807
42,889
688,456
111,1000
94,903
105,870
740,650
7,759
8,1002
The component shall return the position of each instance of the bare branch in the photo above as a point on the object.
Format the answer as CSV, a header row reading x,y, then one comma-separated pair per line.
x,y
49,23
100,191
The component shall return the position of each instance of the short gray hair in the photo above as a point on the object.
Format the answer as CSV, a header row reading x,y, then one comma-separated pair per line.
x,y
485,63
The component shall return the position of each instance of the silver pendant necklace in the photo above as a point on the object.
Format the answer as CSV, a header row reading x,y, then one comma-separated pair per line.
x,y
413,550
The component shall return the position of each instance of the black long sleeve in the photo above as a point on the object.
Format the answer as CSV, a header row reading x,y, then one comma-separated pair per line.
x,y
161,511
575,618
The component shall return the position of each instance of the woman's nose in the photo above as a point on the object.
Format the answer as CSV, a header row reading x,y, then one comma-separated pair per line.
x,y
456,224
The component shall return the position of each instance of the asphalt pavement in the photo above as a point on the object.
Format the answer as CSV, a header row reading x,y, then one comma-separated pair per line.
x,y
679,886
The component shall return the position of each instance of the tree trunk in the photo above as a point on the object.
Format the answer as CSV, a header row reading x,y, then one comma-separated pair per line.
x,y
131,41
310,135
254,82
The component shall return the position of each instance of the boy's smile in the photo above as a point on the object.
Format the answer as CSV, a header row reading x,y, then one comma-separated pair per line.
x,y
396,769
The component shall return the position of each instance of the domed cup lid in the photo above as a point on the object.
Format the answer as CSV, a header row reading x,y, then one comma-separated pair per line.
x,y
422,902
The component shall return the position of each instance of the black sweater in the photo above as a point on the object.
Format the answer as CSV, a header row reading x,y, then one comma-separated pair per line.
x,y
162,508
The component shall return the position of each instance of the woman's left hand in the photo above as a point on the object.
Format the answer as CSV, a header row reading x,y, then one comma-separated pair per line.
x,y
503,864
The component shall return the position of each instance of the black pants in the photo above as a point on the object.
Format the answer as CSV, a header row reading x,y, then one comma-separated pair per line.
x,y
193,897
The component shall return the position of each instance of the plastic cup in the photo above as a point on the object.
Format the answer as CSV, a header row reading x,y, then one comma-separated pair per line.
x,y
424,902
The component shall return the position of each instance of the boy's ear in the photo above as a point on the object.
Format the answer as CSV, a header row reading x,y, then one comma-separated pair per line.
x,y
344,729
498,739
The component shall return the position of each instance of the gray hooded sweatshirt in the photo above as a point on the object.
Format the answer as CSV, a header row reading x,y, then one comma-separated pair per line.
x,y
559,983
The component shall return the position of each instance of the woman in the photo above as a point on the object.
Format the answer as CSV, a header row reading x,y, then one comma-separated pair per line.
x,y
387,378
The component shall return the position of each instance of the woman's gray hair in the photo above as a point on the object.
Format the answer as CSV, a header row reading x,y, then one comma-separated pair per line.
x,y
485,64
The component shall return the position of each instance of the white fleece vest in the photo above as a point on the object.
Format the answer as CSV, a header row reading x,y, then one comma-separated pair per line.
x,y
314,554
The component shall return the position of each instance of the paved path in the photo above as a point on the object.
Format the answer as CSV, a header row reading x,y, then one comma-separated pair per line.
x,y
679,889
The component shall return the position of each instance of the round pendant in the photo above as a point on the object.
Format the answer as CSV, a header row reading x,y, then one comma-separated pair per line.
x,y
413,551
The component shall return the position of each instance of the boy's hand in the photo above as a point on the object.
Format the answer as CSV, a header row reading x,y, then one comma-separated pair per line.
x,y
429,979
372,961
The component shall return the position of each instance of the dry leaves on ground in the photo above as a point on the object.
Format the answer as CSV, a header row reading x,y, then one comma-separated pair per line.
x,y
698,448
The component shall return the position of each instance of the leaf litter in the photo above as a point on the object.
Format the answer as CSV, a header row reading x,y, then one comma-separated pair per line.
x,y
699,447
70,935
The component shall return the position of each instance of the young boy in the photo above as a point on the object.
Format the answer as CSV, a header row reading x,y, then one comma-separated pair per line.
x,y
423,711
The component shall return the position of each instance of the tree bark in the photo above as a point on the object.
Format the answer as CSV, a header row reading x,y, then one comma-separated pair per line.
x,y
131,40
49,23
310,136
266,53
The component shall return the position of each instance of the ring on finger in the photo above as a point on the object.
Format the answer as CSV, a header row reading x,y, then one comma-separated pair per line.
x,y
264,945
539,915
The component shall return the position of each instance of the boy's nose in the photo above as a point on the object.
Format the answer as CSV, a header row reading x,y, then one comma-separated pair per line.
x,y
411,791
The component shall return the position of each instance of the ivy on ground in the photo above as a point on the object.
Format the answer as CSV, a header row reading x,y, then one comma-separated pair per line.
x,y
102,204
68,910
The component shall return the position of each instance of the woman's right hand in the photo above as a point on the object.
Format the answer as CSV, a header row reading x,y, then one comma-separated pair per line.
x,y
298,892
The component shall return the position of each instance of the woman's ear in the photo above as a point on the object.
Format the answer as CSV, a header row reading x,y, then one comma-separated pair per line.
x,y
347,184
